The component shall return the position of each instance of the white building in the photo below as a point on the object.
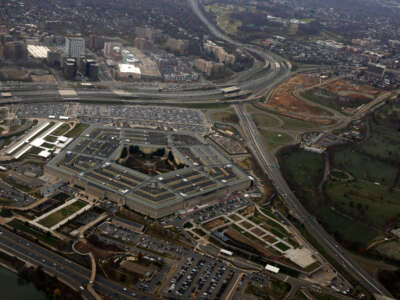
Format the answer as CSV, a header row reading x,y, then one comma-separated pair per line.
x,y
74,46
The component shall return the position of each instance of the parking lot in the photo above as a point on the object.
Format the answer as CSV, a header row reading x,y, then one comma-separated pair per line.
x,y
219,208
161,117
200,277
13,196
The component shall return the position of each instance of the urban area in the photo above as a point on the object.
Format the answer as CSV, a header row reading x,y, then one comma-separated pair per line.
x,y
200,149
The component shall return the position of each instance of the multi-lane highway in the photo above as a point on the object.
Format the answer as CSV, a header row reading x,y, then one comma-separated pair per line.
x,y
73,274
279,70
259,80
270,167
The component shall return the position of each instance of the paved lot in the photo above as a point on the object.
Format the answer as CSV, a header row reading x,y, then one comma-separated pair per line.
x,y
200,277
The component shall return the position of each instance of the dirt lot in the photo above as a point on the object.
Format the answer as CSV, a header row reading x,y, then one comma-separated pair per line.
x,y
14,74
351,89
283,100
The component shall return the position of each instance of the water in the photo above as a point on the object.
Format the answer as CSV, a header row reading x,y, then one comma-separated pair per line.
x,y
12,290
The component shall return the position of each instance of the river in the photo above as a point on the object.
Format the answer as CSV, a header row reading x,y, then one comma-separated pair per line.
x,y
11,289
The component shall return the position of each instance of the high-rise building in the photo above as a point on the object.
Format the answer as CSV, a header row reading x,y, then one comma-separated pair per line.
x,y
74,46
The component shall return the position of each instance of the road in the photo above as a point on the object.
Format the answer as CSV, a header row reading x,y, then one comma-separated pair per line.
x,y
270,167
73,274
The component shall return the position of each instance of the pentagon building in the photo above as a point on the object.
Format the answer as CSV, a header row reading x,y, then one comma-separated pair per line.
x,y
153,172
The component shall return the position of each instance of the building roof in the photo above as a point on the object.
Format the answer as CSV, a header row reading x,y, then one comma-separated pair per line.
x,y
92,158
128,68
38,51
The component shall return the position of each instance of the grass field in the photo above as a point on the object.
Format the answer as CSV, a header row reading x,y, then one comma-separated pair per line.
x,y
228,116
390,249
272,139
383,143
302,168
275,290
345,228
363,166
51,124
61,130
365,201
50,138
295,124
263,120
20,226
77,130
61,214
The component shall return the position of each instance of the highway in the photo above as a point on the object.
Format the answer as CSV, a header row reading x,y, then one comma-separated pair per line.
x,y
260,79
270,167
280,71
75,275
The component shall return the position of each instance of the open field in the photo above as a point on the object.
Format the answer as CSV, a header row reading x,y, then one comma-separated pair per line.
x,y
227,116
295,124
77,130
61,214
344,228
222,14
349,88
283,101
275,290
357,208
363,166
390,249
341,94
20,226
61,130
273,140
383,143
263,120
302,168
370,203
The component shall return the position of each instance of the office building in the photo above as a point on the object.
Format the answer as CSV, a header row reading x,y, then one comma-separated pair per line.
x,y
74,46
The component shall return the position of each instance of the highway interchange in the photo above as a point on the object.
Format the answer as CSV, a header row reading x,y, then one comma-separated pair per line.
x,y
259,80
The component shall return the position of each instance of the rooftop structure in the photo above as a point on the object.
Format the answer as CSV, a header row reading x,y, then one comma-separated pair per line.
x,y
128,68
153,172
74,46
38,51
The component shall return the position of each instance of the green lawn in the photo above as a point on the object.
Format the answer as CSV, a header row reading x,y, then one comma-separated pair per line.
x,y
50,138
228,116
345,228
295,124
302,168
61,130
263,120
363,166
46,238
42,131
282,246
384,143
63,213
272,139
390,249
48,145
364,200
77,130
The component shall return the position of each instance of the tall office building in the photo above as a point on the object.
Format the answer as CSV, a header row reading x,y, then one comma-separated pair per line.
x,y
74,46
